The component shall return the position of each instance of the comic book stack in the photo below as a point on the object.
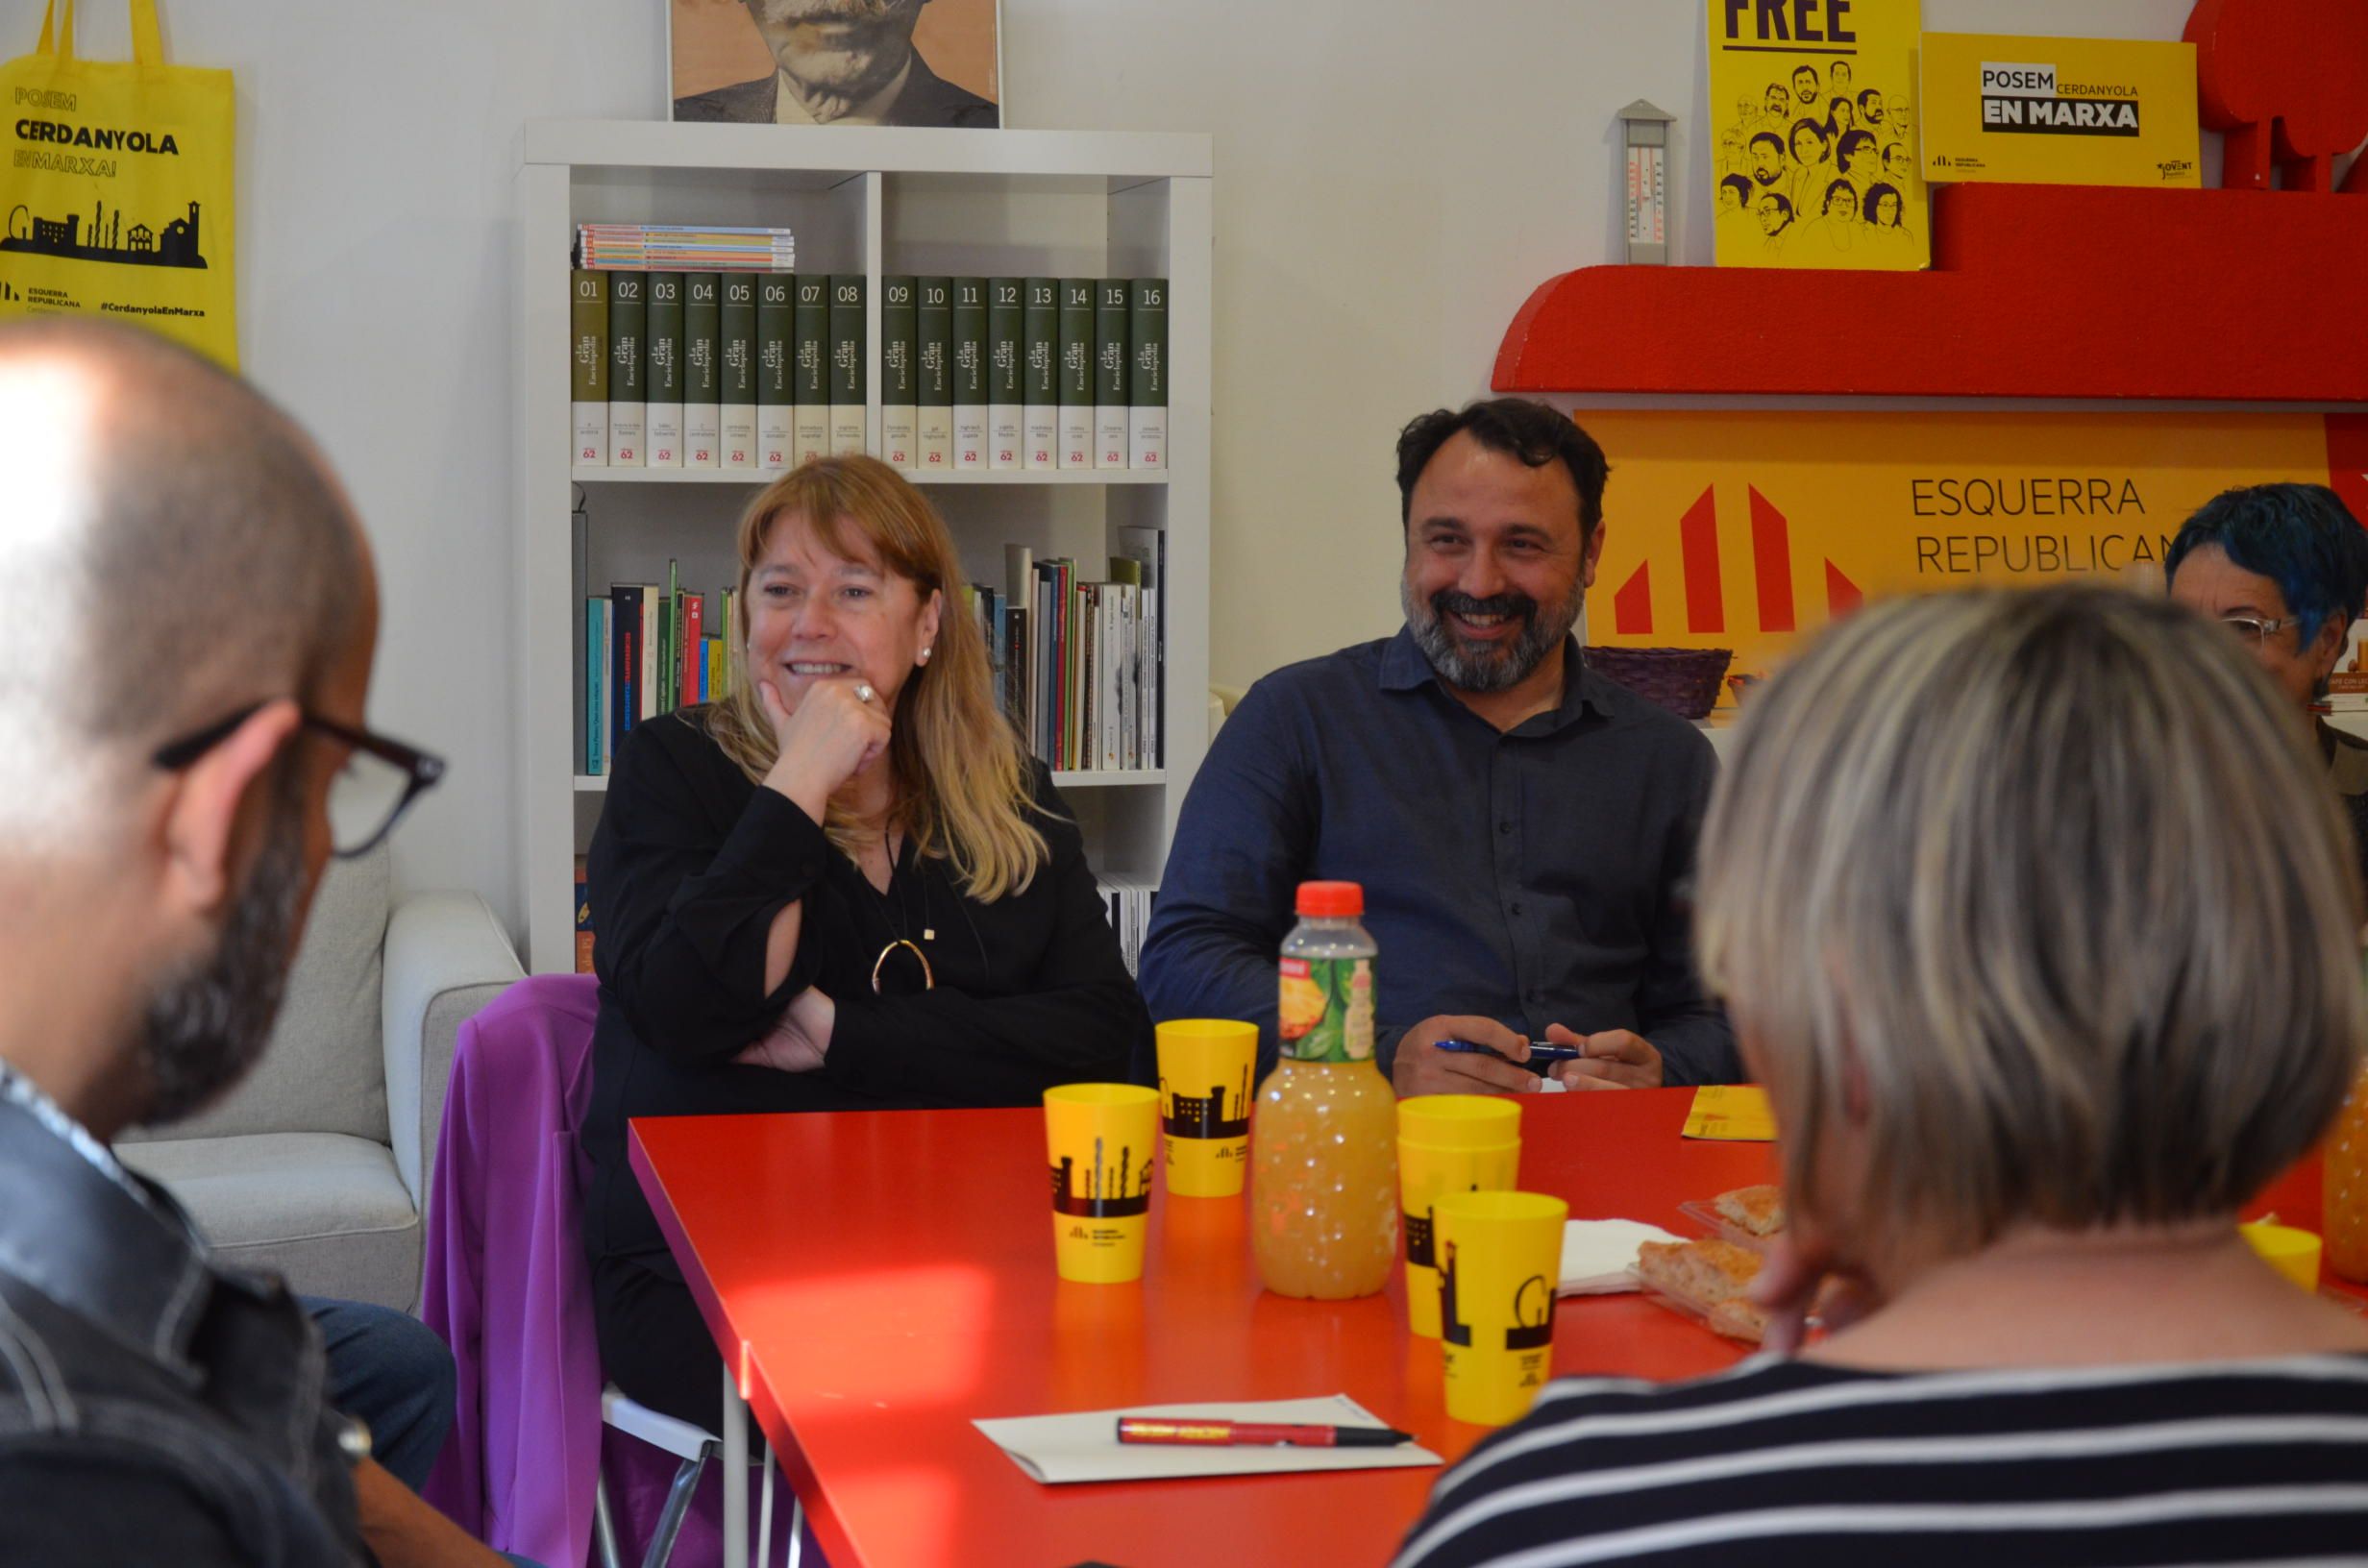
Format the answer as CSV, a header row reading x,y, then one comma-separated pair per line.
x,y
672,247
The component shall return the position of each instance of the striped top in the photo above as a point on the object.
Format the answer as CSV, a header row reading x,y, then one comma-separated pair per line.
x,y
1777,1461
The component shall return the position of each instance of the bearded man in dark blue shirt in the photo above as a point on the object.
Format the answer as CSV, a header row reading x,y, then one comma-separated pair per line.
x,y
1522,826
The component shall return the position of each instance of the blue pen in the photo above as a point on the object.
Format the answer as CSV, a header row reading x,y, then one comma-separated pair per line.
x,y
1536,1053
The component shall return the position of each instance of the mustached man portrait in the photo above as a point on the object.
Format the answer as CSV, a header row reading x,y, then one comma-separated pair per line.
x,y
836,61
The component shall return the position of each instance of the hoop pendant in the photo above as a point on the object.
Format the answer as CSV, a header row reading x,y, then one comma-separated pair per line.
x,y
928,976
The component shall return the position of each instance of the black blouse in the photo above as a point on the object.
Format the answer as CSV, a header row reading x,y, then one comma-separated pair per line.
x,y
689,866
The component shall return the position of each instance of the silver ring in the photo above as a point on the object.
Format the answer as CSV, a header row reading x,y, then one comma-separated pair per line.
x,y
864,692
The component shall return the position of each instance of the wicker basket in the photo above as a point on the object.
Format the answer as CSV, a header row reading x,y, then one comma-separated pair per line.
x,y
1685,680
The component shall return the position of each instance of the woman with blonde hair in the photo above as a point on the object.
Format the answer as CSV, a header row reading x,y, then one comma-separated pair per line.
x,y
843,885
2034,916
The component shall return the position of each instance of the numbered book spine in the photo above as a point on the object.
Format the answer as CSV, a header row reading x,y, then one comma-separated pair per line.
x,y
663,438
848,354
810,381
1110,372
900,384
1005,437
933,371
1039,353
702,383
969,373
1146,373
1077,386
587,367
629,321
739,369
775,400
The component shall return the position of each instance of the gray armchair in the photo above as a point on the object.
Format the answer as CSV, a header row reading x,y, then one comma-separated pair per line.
x,y
317,1167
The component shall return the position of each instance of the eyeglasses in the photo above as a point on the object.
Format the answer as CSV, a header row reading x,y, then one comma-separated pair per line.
x,y
2253,631
377,782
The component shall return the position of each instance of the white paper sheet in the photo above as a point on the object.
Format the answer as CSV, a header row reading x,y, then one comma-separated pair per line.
x,y
1059,1449
1598,1253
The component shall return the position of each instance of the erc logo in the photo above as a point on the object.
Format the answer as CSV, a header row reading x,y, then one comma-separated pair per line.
x,y
1771,571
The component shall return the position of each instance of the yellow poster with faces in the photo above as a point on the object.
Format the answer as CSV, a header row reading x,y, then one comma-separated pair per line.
x,y
1812,116
2059,112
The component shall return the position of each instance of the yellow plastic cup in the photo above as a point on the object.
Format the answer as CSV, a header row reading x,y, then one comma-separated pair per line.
x,y
1499,1259
1102,1138
2290,1250
1448,1143
1205,1070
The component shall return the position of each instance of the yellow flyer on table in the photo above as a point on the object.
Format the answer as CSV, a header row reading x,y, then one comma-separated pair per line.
x,y
1731,1113
2059,111
1813,117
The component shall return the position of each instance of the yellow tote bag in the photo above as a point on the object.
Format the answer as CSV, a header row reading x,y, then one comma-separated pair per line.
x,y
117,190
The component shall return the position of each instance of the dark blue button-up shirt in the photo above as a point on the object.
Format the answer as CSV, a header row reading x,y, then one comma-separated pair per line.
x,y
1534,876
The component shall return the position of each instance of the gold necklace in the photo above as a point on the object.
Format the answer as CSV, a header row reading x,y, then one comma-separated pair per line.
x,y
928,975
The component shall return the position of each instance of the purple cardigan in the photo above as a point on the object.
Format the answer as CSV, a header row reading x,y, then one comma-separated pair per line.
x,y
505,1280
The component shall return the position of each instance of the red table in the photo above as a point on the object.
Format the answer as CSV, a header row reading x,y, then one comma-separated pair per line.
x,y
883,1279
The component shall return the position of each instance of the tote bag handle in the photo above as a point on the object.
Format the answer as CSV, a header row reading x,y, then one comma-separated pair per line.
x,y
147,42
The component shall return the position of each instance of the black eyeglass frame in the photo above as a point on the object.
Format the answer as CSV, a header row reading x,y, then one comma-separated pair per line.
x,y
423,770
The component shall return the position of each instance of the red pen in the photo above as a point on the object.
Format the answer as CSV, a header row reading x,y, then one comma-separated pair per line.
x,y
1141,1428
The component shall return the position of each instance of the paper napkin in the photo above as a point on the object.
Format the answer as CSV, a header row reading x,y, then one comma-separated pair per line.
x,y
1736,1113
1059,1449
1598,1253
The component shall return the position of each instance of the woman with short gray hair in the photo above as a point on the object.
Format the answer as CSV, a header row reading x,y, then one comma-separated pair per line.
x,y
2035,915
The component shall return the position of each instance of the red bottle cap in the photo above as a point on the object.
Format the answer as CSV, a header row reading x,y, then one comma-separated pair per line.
x,y
1331,899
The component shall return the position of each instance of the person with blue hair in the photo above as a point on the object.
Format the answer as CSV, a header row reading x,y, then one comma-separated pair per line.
x,y
2284,568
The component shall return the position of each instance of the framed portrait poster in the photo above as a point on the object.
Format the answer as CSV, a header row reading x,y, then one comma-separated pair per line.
x,y
836,61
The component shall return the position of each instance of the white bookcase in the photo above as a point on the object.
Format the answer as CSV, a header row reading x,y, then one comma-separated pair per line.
x,y
878,201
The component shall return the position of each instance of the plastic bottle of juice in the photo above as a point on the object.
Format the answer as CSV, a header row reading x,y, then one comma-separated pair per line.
x,y
2345,1219
1323,1184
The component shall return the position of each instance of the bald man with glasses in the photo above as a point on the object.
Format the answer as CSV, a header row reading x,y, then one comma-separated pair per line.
x,y
183,700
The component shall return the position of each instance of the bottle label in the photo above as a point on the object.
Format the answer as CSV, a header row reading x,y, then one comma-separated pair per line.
x,y
1327,1008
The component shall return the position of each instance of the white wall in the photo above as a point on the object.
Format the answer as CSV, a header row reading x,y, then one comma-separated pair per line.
x,y
376,144
1394,176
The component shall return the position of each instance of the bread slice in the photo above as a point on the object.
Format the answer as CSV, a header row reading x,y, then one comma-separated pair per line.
x,y
1740,1319
1702,1273
1759,1210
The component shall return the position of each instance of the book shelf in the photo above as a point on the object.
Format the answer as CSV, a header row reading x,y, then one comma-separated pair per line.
x,y
877,201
